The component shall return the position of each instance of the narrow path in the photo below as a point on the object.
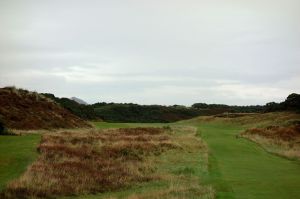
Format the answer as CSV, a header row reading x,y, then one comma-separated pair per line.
x,y
241,169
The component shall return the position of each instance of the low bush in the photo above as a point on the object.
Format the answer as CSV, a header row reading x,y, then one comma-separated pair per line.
x,y
2,128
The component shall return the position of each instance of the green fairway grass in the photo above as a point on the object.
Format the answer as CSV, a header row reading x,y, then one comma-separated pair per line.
x,y
16,153
242,169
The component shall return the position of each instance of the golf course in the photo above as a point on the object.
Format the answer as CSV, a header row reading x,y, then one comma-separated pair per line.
x,y
236,167
150,99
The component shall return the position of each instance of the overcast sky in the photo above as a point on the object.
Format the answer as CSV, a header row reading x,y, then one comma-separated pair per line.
x,y
153,52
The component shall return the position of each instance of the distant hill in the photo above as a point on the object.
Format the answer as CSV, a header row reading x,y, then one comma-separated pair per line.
x,y
128,112
81,110
79,101
118,112
222,108
21,109
143,113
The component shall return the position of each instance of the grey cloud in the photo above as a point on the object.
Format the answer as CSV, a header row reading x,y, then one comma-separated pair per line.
x,y
153,51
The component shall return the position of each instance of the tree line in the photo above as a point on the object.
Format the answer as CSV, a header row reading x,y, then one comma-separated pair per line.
x,y
129,112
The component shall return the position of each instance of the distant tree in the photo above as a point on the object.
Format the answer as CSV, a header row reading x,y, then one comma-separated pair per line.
x,y
273,106
200,106
292,102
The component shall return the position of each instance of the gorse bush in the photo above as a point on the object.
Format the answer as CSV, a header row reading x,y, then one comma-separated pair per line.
x,y
2,128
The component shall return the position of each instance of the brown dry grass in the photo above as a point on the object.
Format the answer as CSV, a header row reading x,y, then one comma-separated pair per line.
x,y
253,120
180,170
281,140
89,162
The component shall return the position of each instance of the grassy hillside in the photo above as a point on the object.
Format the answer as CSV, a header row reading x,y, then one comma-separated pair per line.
x,y
21,109
249,120
81,110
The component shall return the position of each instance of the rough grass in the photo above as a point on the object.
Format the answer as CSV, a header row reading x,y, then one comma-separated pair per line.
x,y
249,120
183,170
242,169
277,132
89,162
281,140
178,171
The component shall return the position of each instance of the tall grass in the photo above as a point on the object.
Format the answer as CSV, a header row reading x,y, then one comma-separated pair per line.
x,y
180,170
89,162
281,140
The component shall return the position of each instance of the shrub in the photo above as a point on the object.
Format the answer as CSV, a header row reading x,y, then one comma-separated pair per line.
x,y
2,129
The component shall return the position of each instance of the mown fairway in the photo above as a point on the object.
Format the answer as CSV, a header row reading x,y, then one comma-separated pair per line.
x,y
16,152
242,169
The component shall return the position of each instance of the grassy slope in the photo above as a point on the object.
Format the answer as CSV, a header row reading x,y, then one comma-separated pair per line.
x,y
16,153
242,169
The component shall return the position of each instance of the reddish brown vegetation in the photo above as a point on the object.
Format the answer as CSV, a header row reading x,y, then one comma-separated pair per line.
x,y
281,140
20,109
276,132
89,162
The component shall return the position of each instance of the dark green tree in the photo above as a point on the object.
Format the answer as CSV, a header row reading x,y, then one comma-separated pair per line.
x,y
292,102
